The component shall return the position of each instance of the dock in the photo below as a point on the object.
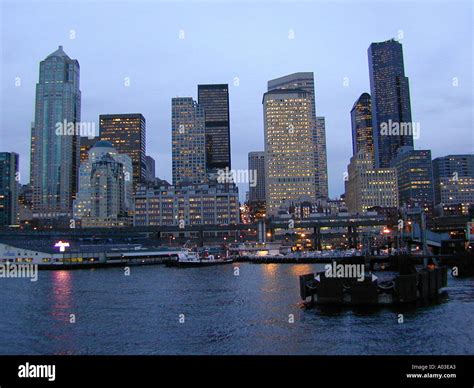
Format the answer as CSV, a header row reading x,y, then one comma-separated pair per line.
x,y
409,286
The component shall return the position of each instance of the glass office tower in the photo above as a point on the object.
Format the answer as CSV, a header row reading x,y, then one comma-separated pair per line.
x,y
9,188
256,163
127,134
55,138
361,120
214,99
390,100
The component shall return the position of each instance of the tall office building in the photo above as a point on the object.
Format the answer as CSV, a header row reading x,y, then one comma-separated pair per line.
x,y
361,120
453,177
257,168
390,101
321,165
150,169
86,144
188,136
415,178
214,99
369,187
55,138
9,188
305,81
289,148
127,133
105,187
25,203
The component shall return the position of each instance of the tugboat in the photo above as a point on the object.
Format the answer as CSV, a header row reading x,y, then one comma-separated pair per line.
x,y
188,258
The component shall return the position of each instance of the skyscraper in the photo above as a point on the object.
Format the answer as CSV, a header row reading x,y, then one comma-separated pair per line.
x,y
453,177
214,99
9,188
361,119
305,81
391,111
55,136
257,167
150,169
321,165
289,148
415,178
127,133
188,138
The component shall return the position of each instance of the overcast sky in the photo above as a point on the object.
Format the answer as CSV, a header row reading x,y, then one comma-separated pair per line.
x,y
246,41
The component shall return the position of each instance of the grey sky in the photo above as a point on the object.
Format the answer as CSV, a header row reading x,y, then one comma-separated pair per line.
x,y
248,40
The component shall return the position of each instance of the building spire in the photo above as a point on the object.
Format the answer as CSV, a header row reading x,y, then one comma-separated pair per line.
x,y
58,53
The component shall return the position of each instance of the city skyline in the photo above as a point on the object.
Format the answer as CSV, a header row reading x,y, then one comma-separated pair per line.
x,y
245,178
331,93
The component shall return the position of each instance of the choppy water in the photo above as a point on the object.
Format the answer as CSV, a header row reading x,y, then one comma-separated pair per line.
x,y
223,314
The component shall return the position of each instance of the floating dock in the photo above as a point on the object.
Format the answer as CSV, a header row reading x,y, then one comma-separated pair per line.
x,y
421,285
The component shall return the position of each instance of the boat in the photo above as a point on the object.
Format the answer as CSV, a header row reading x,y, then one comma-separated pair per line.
x,y
189,258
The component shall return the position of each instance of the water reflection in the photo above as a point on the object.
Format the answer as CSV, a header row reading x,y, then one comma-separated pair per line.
x,y
301,269
62,289
61,310
269,270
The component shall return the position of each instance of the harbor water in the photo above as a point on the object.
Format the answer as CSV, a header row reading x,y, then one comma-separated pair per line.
x,y
231,309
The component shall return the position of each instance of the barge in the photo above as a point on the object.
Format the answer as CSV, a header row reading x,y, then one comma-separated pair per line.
x,y
409,286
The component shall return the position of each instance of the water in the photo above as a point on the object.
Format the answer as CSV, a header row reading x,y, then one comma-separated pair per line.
x,y
223,314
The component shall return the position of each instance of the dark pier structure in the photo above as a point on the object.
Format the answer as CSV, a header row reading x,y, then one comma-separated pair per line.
x,y
409,286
